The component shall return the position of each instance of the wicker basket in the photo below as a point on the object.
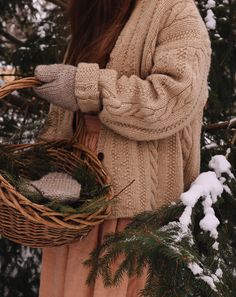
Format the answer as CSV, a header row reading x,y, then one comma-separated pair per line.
x,y
38,226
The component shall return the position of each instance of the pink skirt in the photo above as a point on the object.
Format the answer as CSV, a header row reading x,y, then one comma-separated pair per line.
x,y
63,273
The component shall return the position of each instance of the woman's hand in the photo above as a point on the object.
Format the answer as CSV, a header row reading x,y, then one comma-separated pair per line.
x,y
58,85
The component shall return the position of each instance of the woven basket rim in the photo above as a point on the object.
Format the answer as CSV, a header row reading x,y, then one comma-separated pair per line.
x,y
61,220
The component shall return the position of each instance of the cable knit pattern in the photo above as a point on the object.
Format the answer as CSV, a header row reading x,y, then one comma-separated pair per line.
x,y
150,99
154,167
87,88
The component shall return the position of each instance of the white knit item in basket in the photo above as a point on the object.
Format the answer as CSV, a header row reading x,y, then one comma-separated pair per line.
x,y
57,186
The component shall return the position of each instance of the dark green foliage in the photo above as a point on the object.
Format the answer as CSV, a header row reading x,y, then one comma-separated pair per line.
x,y
89,185
222,97
221,105
36,159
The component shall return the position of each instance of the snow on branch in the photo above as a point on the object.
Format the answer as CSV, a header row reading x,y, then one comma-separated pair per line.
x,y
221,125
210,18
209,186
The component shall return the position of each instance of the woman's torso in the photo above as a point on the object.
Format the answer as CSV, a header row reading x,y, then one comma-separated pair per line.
x,y
162,169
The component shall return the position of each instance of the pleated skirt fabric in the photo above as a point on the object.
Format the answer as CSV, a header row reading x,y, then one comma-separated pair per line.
x,y
63,273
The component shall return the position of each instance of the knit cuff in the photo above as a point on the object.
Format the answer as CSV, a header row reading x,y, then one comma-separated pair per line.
x,y
86,87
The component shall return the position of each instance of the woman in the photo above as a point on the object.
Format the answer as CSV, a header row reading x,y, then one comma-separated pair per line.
x,y
137,71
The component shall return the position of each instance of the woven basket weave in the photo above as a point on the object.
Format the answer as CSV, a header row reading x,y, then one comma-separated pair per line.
x,y
38,226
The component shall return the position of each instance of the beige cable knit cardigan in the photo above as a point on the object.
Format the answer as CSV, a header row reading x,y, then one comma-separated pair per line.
x,y
153,92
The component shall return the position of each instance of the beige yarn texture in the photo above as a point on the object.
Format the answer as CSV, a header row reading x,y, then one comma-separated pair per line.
x,y
153,92
57,186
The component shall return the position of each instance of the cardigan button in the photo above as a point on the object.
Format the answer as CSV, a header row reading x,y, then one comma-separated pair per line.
x,y
100,156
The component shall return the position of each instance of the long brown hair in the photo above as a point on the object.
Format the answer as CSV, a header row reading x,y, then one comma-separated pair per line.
x,y
95,27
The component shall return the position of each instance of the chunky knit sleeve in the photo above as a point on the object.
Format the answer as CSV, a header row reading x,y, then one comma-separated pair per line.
x,y
169,97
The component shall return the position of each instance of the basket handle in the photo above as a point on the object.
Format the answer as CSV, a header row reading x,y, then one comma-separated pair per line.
x,y
18,84
30,82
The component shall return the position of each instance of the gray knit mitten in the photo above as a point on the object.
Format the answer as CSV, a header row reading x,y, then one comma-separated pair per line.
x,y
56,186
59,85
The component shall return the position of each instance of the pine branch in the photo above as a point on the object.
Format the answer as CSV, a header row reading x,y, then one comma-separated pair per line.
x,y
221,125
233,141
156,246
182,260
11,37
60,3
9,74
